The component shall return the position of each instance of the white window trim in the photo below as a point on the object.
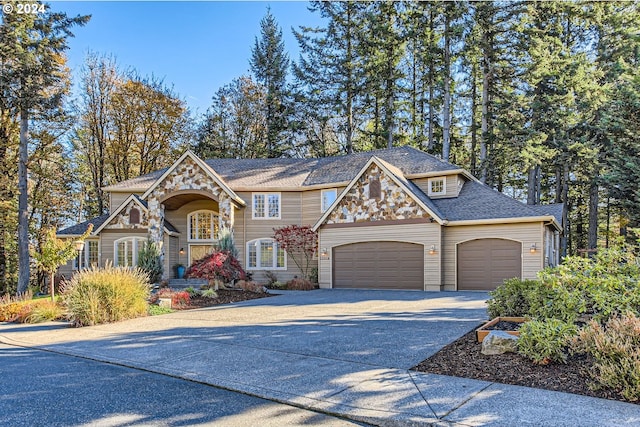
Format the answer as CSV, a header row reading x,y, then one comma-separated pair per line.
x,y
136,241
438,193
322,207
85,255
275,256
266,206
216,218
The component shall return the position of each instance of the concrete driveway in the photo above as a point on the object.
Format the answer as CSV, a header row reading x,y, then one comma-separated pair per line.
x,y
339,352
313,349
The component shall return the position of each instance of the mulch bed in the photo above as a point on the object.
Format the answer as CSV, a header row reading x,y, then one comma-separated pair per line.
x,y
462,358
225,296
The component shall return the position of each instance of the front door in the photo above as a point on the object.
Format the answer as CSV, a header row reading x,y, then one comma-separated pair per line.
x,y
197,252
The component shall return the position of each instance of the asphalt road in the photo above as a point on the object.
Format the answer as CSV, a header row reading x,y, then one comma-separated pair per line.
x,y
40,388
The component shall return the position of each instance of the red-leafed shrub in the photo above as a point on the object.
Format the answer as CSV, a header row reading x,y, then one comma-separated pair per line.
x,y
220,265
180,299
300,242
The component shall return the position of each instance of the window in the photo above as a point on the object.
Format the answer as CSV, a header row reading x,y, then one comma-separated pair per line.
x,y
437,187
203,226
266,205
126,251
264,254
328,197
87,256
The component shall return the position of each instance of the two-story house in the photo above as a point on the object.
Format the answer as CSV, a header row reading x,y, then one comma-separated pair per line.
x,y
388,219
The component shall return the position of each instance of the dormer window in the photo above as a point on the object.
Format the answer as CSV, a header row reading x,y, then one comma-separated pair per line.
x,y
437,186
134,216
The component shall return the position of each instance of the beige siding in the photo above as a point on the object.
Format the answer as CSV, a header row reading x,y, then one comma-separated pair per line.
x,y
311,206
116,199
453,184
424,234
526,233
291,212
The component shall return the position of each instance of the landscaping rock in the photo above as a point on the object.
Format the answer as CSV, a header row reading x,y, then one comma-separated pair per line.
x,y
499,342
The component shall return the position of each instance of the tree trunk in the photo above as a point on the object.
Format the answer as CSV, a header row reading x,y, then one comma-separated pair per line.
x,y
446,108
350,86
52,284
474,124
23,200
532,186
565,211
592,238
484,121
431,142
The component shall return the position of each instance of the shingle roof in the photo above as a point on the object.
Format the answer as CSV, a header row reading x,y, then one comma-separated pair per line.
x,y
296,173
478,201
78,229
553,209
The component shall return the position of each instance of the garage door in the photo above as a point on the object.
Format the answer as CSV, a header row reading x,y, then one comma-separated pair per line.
x,y
484,264
379,265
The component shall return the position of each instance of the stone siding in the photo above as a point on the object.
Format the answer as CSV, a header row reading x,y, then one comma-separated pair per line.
x,y
394,203
121,221
188,175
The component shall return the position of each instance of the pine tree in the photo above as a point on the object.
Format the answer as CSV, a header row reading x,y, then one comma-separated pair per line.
x,y
269,64
329,73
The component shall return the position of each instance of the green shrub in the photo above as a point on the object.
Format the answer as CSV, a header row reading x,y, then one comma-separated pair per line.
x,y
298,284
44,311
545,341
101,295
150,261
209,293
156,310
192,292
225,242
616,350
512,298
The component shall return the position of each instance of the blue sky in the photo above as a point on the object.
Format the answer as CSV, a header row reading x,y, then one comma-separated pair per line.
x,y
196,47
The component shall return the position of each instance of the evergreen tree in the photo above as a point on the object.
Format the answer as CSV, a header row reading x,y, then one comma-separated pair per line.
x,y
269,64
31,54
329,72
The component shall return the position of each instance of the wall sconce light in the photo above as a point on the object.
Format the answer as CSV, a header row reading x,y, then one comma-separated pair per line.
x,y
533,248
324,254
432,250
181,251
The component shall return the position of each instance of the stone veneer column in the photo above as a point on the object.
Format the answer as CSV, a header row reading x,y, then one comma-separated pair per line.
x,y
225,211
156,221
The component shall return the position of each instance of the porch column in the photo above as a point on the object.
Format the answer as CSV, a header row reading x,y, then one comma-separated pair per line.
x,y
156,222
225,214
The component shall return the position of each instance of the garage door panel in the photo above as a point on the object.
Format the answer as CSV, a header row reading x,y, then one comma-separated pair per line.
x,y
483,264
379,265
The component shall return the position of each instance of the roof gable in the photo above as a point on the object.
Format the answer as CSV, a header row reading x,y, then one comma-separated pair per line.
x,y
119,218
203,169
398,199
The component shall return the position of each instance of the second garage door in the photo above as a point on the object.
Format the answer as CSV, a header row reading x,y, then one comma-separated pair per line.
x,y
379,265
484,264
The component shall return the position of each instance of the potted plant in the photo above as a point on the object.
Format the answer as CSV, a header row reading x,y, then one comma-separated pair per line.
x,y
180,269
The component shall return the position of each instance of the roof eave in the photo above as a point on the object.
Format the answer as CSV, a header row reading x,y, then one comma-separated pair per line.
x,y
514,220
